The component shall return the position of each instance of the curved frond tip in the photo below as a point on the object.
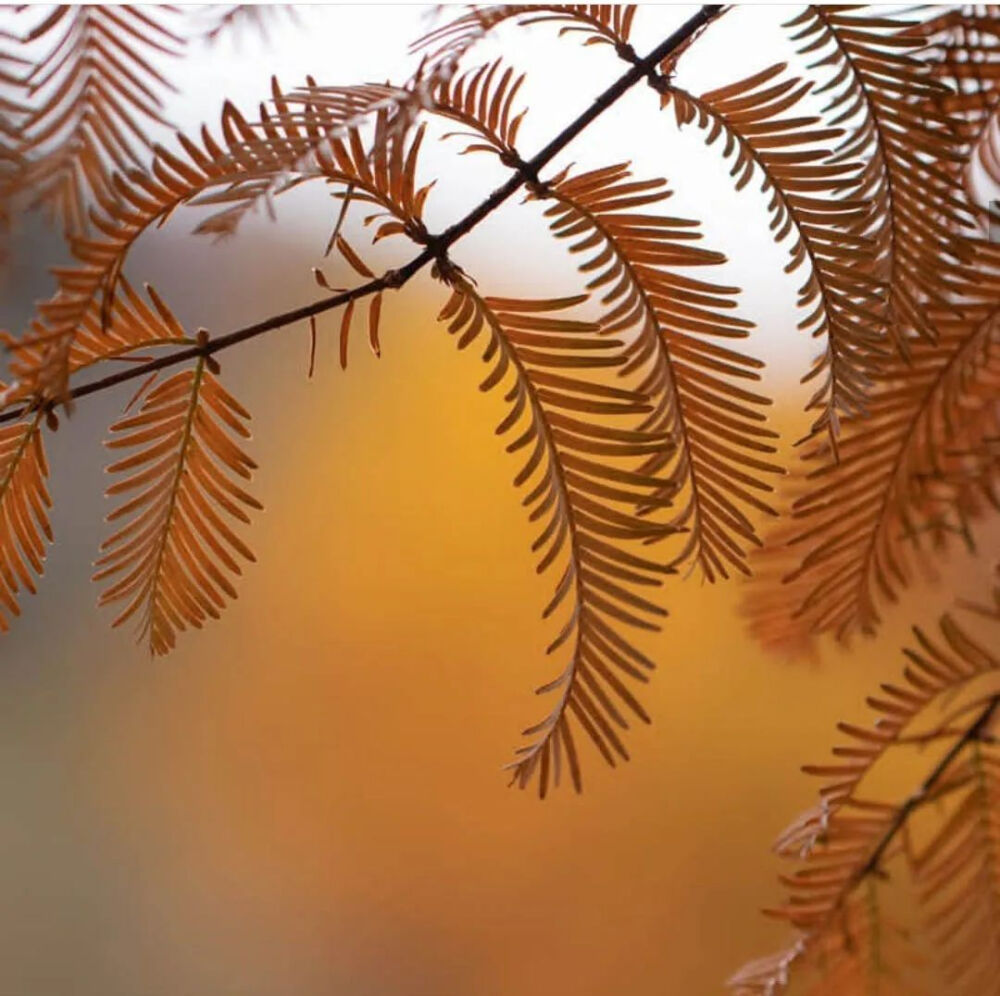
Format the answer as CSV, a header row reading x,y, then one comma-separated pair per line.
x,y
681,339
815,203
92,97
235,176
909,143
174,555
859,525
24,511
445,47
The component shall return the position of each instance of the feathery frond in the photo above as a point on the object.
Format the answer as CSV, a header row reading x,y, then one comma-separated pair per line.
x,y
174,554
483,102
219,19
815,200
582,494
129,325
909,141
12,110
965,55
718,443
92,96
304,138
856,519
720,447
445,47
947,699
215,174
958,877
864,952
24,511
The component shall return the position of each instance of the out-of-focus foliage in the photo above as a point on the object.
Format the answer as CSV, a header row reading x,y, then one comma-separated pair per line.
x,y
632,401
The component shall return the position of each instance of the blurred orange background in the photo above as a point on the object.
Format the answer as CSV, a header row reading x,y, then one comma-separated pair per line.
x,y
306,798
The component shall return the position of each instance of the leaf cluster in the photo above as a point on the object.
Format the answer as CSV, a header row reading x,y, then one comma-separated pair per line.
x,y
633,402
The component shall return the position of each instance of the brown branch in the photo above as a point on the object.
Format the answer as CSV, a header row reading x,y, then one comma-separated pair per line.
x,y
436,246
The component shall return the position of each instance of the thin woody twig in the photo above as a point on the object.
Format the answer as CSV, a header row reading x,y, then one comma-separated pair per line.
x,y
436,247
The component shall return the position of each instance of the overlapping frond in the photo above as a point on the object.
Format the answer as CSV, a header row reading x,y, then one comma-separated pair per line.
x,y
24,511
228,174
130,324
632,256
965,54
93,94
580,451
987,154
483,102
938,669
12,110
174,554
859,523
768,604
815,200
678,332
865,952
304,136
12,71
958,876
444,47
944,705
215,20
911,143
599,24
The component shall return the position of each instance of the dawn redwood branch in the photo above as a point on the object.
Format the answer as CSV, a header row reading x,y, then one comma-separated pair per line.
x,y
974,731
437,246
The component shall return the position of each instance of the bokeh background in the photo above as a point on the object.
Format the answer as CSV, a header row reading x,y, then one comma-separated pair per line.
x,y
306,798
